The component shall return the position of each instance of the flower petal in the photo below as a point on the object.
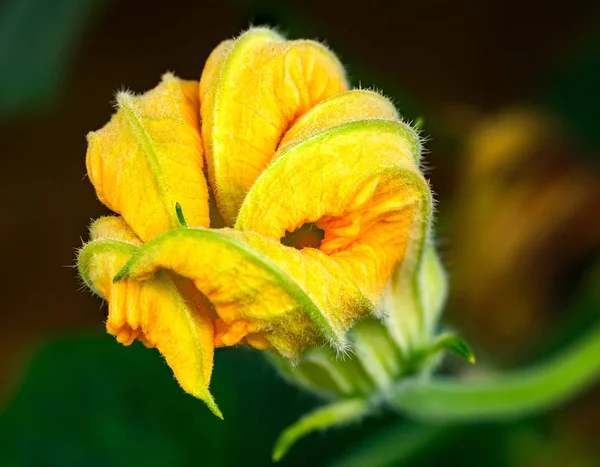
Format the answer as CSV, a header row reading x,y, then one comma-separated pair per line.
x,y
360,183
345,107
149,157
257,285
114,228
165,312
252,92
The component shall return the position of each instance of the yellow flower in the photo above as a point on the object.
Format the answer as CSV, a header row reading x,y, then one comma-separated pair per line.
x,y
284,144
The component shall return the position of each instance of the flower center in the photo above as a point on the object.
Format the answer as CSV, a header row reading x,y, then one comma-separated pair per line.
x,y
306,236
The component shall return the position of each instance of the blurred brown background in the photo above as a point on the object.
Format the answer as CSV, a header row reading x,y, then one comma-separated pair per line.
x,y
508,91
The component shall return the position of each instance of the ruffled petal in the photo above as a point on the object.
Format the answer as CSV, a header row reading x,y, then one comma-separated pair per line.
x,y
258,286
150,157
166,312
358,180
252,91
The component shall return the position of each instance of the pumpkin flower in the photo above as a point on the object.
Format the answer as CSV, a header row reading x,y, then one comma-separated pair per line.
x,y
274,136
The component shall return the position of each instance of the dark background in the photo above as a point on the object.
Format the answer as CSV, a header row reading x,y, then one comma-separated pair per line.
x,y
509,95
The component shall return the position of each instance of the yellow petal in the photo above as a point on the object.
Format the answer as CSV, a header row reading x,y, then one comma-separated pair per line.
x,y
165,312
256,285
253,91
212,68
114,228
360,183
149,157
345,107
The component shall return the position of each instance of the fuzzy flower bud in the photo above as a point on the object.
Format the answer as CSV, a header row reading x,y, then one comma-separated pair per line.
x,y
284,143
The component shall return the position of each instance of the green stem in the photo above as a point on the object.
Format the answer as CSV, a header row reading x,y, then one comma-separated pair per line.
x,y
510,395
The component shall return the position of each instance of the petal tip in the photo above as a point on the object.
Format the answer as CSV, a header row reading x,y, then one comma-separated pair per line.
x,y
168,77
205,396
208,399
90,136
124,99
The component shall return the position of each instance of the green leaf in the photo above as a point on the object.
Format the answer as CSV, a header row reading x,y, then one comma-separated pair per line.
x,y
339,413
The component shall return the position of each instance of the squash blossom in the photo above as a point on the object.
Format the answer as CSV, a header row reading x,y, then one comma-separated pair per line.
x,y
273,134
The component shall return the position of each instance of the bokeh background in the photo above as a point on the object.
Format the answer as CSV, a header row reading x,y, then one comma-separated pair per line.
x,y
509,93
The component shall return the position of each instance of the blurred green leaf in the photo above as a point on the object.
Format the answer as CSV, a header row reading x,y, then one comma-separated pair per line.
x,y
397,445
37,39
89,401
414,445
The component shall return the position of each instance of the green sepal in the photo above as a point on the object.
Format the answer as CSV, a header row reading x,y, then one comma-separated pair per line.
x,y
180,216
454,344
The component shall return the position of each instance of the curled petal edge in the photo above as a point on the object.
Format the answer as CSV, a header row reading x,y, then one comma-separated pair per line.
x,y
162,312
259,286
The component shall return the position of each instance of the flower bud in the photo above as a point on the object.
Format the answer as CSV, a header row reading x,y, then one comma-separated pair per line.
x,y
284,143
